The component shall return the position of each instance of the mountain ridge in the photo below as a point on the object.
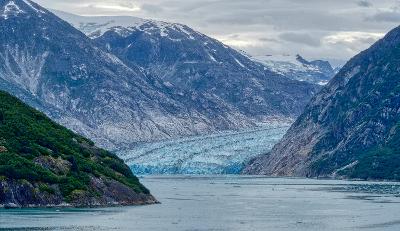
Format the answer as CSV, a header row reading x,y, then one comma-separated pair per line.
x,y
118,103
298,68
316,71
350,129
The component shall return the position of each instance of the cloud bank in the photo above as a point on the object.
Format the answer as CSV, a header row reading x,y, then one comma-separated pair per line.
x,y
316,29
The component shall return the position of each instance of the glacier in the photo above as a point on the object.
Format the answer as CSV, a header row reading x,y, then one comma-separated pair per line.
x,y
296,67
220,153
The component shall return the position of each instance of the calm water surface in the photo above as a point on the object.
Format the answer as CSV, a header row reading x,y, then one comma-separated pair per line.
x,y
233,203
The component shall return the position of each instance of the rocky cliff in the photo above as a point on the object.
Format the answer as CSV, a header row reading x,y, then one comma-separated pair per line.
x,y
351,128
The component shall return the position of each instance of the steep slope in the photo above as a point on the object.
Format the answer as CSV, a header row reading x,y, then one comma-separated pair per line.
x,y
351,128
60,71
44,164
298,68
118,103
194,64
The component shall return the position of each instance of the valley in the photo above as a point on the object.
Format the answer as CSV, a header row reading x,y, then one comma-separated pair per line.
x,y
137,80
98,112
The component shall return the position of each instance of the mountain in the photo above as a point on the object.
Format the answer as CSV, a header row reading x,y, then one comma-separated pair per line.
x,y
351,128
193,64
298,68
42,164
63,73
96,26
294,67
118,101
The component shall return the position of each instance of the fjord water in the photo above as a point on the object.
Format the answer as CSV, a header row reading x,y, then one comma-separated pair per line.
x,y
232,203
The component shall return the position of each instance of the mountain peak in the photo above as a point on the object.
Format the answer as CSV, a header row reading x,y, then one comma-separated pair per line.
x,y
298,68
302,60
96,26
11,9
15,8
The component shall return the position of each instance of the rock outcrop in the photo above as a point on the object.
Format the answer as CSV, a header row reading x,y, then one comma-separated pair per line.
x,y
43,164
351,128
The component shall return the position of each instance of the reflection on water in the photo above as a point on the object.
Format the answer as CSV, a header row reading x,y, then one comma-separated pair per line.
x,y
232,203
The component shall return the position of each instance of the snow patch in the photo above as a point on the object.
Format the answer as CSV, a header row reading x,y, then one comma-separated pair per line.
x,y
11,9
212,57
349,166
23,68
351,74
323,83
27,2
292,67
122,31
240,64
182,28
283,64
95,27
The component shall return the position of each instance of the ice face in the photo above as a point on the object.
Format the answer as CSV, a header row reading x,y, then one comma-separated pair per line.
x,y
223,153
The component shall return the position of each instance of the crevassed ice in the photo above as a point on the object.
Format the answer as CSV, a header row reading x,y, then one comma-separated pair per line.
x,y
223,153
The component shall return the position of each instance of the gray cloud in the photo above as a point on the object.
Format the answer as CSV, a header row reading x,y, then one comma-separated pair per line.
x,y
152,9
310,27
364,3
268,40
301,38
386,16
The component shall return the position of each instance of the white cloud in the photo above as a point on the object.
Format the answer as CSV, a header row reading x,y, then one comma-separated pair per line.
x,y
314,28
237,43
117,7
352,37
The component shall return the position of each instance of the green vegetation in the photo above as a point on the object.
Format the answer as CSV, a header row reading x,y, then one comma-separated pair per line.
x,y
379,163
362,119
28,135
46,188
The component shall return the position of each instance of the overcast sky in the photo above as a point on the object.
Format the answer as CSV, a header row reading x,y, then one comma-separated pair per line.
x,y
335,29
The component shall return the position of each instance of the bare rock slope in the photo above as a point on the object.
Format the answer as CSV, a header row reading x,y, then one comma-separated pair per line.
x,y
351,128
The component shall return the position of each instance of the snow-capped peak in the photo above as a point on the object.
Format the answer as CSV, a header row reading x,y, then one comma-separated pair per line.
x,y
147,26
164,29
96,26
11,9
297,67
14,8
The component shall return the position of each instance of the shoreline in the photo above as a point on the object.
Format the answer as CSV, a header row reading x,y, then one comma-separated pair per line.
x,y
151,201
